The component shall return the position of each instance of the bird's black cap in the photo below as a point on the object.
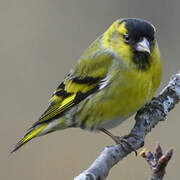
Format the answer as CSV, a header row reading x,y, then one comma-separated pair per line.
x,y
138,28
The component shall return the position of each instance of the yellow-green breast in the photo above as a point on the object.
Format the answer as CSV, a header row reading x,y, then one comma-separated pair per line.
x,y
121,98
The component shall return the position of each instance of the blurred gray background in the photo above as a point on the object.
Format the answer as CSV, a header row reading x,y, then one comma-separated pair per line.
x,y
40,40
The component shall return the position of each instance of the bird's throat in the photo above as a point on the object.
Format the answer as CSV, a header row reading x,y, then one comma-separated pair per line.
x,y
141,60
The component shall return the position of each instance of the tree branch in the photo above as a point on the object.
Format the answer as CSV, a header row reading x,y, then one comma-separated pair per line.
x,y
146,118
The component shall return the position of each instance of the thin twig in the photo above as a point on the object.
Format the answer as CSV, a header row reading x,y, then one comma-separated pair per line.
x,y
157,161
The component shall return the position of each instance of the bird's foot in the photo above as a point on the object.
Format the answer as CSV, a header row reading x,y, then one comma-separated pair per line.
x,y
122,141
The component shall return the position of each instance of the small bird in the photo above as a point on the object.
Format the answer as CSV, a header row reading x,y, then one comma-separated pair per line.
x,y
117,75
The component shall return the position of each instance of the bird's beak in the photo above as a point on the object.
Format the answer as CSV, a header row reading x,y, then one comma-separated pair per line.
x,y
143,46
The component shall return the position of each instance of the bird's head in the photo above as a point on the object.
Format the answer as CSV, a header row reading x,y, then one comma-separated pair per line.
x,y
133,40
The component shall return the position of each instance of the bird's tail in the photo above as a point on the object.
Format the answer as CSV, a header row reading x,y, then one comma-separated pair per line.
x,y
30,134
39,130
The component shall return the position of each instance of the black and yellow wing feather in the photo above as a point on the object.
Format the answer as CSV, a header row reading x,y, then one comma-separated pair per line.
x,y
83,80
78,84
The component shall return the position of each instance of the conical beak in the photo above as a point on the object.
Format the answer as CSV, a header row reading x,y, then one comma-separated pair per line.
x,y
143,46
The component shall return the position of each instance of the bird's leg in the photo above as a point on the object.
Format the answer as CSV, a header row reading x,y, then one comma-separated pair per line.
x,y
119,140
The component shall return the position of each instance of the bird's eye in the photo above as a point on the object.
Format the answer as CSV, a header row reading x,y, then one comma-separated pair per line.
x,y
126,38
